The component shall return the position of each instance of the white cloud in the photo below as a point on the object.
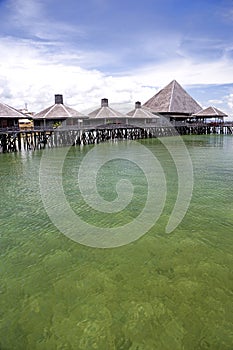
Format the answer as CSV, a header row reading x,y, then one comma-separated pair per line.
x,y
33,71
23,10
215,102
230,101
188,72
30,73
31,16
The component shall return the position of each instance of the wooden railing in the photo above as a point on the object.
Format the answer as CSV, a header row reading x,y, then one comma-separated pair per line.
x,y
94,126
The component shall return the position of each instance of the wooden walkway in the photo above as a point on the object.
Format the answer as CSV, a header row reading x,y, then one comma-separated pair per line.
x,y
13,140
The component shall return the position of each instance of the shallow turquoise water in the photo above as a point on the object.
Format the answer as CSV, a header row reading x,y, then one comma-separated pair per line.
x,y
163,291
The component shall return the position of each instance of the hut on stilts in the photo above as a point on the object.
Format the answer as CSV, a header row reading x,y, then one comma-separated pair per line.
x,y
174,103
9,128
58,115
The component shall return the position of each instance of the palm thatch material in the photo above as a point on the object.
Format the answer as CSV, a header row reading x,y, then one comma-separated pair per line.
x,y
210,112
141,112
58,111
173,99
105,111
10,112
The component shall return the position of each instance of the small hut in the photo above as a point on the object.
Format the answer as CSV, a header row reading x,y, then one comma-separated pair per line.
x,y
9,117
210,114
142,115
106,115
173,102
58,115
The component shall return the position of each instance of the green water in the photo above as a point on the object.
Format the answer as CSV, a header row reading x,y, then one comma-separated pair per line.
x,y
163,291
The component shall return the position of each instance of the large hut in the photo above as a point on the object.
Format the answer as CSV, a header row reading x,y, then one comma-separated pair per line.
x,y
9,117
173,102
58,115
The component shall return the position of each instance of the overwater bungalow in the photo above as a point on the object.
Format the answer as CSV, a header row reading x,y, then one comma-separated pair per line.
x,y
59,115
210,114
9,117
106,115
142,115
174,103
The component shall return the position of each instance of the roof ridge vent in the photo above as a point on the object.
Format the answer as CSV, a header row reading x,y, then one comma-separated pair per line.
x,y
58,99
104,102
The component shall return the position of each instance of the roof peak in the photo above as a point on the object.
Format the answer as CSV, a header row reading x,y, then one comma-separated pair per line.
x,y
173,99
211,111
10,112
105,111
58,110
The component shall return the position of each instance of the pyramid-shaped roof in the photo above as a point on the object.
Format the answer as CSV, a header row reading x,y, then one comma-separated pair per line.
x,y
141,112
210,112
58,111
173,99
10,112
105,111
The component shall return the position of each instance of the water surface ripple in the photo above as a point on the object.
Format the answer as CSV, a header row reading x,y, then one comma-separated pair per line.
x,y
164,291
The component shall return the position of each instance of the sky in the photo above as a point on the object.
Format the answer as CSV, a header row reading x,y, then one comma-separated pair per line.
x,y
125,51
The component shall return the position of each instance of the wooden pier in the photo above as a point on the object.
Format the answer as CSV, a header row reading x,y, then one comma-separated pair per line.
x,y
17,140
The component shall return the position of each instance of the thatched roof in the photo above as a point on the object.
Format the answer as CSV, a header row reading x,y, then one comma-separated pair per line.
x,y
210,112
141,112
10,112
58,111
105,111
173,99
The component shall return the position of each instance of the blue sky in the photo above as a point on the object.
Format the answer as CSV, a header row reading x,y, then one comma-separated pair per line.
x,y
123,50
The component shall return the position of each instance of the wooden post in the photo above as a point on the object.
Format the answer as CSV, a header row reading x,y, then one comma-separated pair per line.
x,y
4,143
